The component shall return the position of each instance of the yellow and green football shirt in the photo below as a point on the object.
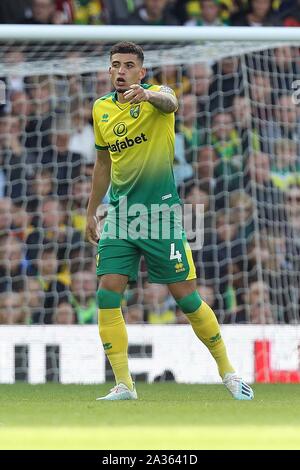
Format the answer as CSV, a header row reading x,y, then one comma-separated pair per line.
x,y
140,139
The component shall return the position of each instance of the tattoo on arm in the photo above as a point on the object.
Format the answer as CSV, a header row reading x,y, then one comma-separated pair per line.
x,y
164,100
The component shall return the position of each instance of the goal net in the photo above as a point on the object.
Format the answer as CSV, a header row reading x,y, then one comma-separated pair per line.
x,y
236,154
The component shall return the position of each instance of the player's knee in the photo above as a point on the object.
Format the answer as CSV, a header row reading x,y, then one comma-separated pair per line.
x,y
190,303
108,299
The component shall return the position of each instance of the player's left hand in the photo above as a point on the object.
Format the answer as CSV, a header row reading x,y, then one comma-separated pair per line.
x,y
136,94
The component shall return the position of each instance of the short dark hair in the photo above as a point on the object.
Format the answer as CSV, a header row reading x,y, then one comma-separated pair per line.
x,y
125,47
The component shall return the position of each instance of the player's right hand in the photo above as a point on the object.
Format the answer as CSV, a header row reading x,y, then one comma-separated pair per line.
x,y
91,231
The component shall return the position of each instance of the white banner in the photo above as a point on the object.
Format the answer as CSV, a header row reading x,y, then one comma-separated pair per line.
x,y
157,349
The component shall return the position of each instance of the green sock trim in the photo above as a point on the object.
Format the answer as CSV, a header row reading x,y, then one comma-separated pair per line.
x,y
108,299
190,303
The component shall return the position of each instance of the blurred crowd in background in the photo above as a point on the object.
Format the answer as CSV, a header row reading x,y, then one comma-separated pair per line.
x,y
237,153
153,12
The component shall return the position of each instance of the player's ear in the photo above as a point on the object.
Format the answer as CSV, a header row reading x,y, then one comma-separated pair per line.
x,y
109,70
143,73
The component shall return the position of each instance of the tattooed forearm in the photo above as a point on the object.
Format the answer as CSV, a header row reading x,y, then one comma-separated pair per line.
x,y
164,101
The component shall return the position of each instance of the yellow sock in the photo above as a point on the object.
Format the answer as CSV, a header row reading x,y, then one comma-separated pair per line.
x,y
206,327
114,338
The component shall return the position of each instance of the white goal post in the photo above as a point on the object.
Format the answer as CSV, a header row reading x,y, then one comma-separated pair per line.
x,y
158,34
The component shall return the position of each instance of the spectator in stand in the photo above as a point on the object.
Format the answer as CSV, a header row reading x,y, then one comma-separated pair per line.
x,y
14,57
12,310
102,84
241,205
179,9
293,211
44,12
5,215
285,169
51,283
89,12
210,14
80,195
74,89
83,286
40,120
133,308
13,159
64,314
21,220
262,107
158,306
228,171
64,165
134,315
205,165
292,204
20,108
188,127
258,184
284,68
34,298
17,265
271,250
41,185
225,139
169,75
258,13
82,138
153,13
244,213
4,265
207,293
290,16
227,81
248,136
260,311
65,8
53,229
4,131
69,90
256,307
287,123
227,8
220,252
13,266
13,12
2,180
181,318
200,75
79,256
261,90
119,11
181,169
198,195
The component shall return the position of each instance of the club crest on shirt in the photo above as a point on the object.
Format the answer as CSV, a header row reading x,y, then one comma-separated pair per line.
x,y
135,111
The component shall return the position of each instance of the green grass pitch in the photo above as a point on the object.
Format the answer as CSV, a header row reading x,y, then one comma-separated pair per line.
x,y
167,416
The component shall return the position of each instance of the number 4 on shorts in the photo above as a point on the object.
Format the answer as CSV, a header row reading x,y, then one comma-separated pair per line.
x,y
176,255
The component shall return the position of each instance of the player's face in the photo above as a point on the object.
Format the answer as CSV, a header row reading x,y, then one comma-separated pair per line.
x,y
125,70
